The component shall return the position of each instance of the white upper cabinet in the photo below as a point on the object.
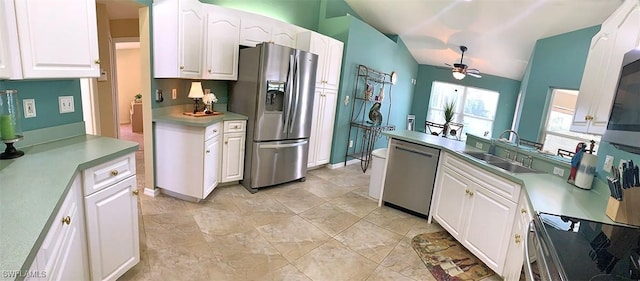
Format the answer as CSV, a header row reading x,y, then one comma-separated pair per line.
x,y
178,38
618,35
329,53
222,44
9,49
60,46
256,29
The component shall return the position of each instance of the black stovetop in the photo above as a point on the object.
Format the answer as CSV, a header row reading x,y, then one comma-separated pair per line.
x,y
588,250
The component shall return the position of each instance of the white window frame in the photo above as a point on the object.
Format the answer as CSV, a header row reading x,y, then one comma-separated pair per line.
x,y
459,115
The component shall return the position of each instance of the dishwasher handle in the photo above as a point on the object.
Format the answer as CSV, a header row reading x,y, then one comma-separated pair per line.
x,y
527,258
399,147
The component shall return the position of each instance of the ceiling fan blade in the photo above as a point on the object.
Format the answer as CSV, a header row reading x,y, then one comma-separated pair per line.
x,y
473,70
448,64
476,75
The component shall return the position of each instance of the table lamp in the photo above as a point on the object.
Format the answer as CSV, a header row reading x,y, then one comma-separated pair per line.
x,y
10,130
195,93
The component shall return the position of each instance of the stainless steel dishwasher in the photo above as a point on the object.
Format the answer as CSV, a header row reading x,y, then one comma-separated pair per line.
x,y
411,173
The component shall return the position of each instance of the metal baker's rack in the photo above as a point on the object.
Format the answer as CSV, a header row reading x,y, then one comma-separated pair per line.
x,y
362,131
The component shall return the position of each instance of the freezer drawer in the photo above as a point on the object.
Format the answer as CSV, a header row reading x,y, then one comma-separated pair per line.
x,y
410,175
278,162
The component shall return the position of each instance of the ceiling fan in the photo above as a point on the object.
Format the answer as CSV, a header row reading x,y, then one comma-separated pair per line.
x,y
460,70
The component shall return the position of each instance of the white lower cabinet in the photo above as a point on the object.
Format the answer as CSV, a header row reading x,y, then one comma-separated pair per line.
x,y
187,159
63,254
112,228
94,235
515,256
477,208
233,151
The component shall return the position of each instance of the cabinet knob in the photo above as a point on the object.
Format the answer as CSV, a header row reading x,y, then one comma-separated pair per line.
x,y
226,142
135,192
66,220
523,210
470,193
209,70
96,61
181,67
208,151
518,238
114,173
215,131
466,191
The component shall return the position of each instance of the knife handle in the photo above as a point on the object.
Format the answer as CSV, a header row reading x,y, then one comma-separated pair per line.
x,y
636,177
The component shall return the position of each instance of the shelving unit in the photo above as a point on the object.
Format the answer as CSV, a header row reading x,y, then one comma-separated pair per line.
x,y
362,130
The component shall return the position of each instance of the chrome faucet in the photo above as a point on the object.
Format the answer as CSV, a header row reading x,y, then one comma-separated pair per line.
x,y
515,153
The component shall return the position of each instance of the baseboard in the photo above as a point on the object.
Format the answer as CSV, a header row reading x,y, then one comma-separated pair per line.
x,y
341,164
151,192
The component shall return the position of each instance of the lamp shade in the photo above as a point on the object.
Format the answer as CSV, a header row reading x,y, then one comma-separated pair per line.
x,y
196,90
458,75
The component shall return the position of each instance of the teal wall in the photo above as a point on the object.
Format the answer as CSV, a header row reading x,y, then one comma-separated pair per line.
x,y
557,62
367,46
302,13
46,93
507,88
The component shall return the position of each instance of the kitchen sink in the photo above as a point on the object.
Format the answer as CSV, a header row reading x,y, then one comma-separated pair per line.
x,y
501,163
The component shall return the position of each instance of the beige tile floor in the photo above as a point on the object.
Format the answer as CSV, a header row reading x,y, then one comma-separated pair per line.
x,y
324,229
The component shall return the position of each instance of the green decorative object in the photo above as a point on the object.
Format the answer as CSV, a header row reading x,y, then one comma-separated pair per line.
x,y
448,116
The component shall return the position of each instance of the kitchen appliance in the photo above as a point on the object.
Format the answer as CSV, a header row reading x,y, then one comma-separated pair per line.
x,y
623,128
275,90
411,173
570,248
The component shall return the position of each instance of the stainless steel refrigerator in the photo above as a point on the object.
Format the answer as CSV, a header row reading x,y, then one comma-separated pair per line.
x,y
275,89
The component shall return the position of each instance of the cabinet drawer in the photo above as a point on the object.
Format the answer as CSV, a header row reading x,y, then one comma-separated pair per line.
x,y
234,126
101,176
212,131
494,183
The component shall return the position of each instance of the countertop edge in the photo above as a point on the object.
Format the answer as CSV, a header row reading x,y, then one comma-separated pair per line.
x,y
180,119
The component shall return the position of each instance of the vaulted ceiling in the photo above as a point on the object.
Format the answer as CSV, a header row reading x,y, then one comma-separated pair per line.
x,y
500,34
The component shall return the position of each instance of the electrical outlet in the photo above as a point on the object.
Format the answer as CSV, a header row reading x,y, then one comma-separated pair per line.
x,y
174,94
350,143
29,108
558,171
608,163
478,145
346,100
65,104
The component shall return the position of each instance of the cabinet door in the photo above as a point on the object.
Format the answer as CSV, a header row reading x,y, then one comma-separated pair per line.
x,y
451,197
190,38
211,168
64,47
515,256
112,209
9,52
233,157
488,226
254,30
319,45
223,39
592,80
73,261
314,136
325,125
333,64
283,34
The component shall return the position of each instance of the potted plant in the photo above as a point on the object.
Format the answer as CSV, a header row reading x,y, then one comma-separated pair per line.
x,y
138,98
449,111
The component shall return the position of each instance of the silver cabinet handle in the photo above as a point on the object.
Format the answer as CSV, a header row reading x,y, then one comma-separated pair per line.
x,y
526,249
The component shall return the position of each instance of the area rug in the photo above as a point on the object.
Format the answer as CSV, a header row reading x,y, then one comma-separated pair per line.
x,y
448,260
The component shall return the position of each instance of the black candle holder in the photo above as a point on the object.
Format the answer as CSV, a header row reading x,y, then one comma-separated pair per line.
x,y
10,151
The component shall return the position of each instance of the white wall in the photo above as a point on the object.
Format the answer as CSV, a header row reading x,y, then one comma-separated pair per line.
x,y
128,71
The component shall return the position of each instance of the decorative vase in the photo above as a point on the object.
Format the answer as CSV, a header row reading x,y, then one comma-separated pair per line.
x,y
445,130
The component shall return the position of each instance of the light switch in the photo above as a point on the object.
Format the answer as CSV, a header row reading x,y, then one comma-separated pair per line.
x,y
65,104
608,162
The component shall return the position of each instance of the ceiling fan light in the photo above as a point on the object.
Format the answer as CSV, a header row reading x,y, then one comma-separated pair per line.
x,y
458,75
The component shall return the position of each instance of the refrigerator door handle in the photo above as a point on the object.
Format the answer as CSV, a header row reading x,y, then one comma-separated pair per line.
x,y
296,83
277,146
288,94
